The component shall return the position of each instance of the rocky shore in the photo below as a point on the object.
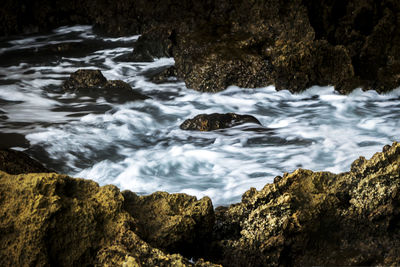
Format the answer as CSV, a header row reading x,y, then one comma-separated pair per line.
x,y
293,45
303,218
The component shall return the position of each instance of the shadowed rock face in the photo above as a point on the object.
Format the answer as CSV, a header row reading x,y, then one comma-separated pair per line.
x,y
216,121
92,82
15,162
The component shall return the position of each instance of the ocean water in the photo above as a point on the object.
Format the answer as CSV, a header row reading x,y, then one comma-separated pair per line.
x,y
139,146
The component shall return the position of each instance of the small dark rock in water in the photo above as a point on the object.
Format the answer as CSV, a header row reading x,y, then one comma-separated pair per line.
x,y
117,91
92,82
215,121
16,162
84,80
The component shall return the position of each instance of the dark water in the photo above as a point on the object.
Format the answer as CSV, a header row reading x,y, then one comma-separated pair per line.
x,y
139,146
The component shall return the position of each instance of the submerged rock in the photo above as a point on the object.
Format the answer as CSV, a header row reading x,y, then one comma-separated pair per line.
x,y
92,82
216,121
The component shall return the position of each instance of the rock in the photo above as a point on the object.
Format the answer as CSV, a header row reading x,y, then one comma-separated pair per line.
x,y
155,43
317,218
119,91
92,82
51,219
16,162
173,222
216,121
293,45
163,76
84,80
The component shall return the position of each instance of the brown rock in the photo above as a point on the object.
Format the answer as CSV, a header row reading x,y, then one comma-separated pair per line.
x,y
51,219
92,82
317,218
216,121
174,222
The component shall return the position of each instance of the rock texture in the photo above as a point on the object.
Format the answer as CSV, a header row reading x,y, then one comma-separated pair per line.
x,y
303,218
92,82
292,44
317,218
216,121
51,219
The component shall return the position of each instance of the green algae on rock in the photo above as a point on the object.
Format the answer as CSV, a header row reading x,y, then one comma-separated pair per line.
x,y
216,121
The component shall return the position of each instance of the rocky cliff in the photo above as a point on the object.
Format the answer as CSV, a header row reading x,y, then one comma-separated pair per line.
x,y
303,218
291,44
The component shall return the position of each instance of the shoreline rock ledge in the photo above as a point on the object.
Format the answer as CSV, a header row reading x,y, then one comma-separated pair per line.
x,y
303,218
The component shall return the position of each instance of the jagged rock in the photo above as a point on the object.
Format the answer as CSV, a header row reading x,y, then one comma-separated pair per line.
x,y
173,222
292,44
92,82
215,121
317,218
51,219
16,162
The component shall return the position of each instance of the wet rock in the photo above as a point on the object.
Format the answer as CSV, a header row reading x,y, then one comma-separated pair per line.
x,y
155,43
173,222
320,218
292,45
84,80
16,162
164,76
51,219
216,121
119,91
93,83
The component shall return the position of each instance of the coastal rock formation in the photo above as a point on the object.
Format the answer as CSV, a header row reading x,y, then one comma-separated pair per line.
x,y
92,82
51,219
303,218
216,121
291,44
317,218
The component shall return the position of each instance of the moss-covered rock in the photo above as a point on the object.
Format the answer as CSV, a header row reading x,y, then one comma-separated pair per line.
x,y
216,121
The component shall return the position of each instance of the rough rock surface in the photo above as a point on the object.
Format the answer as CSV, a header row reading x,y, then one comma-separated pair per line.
x,y
216,121
92,82
317,218
303,218
184,232
51,219
15,162
292,44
